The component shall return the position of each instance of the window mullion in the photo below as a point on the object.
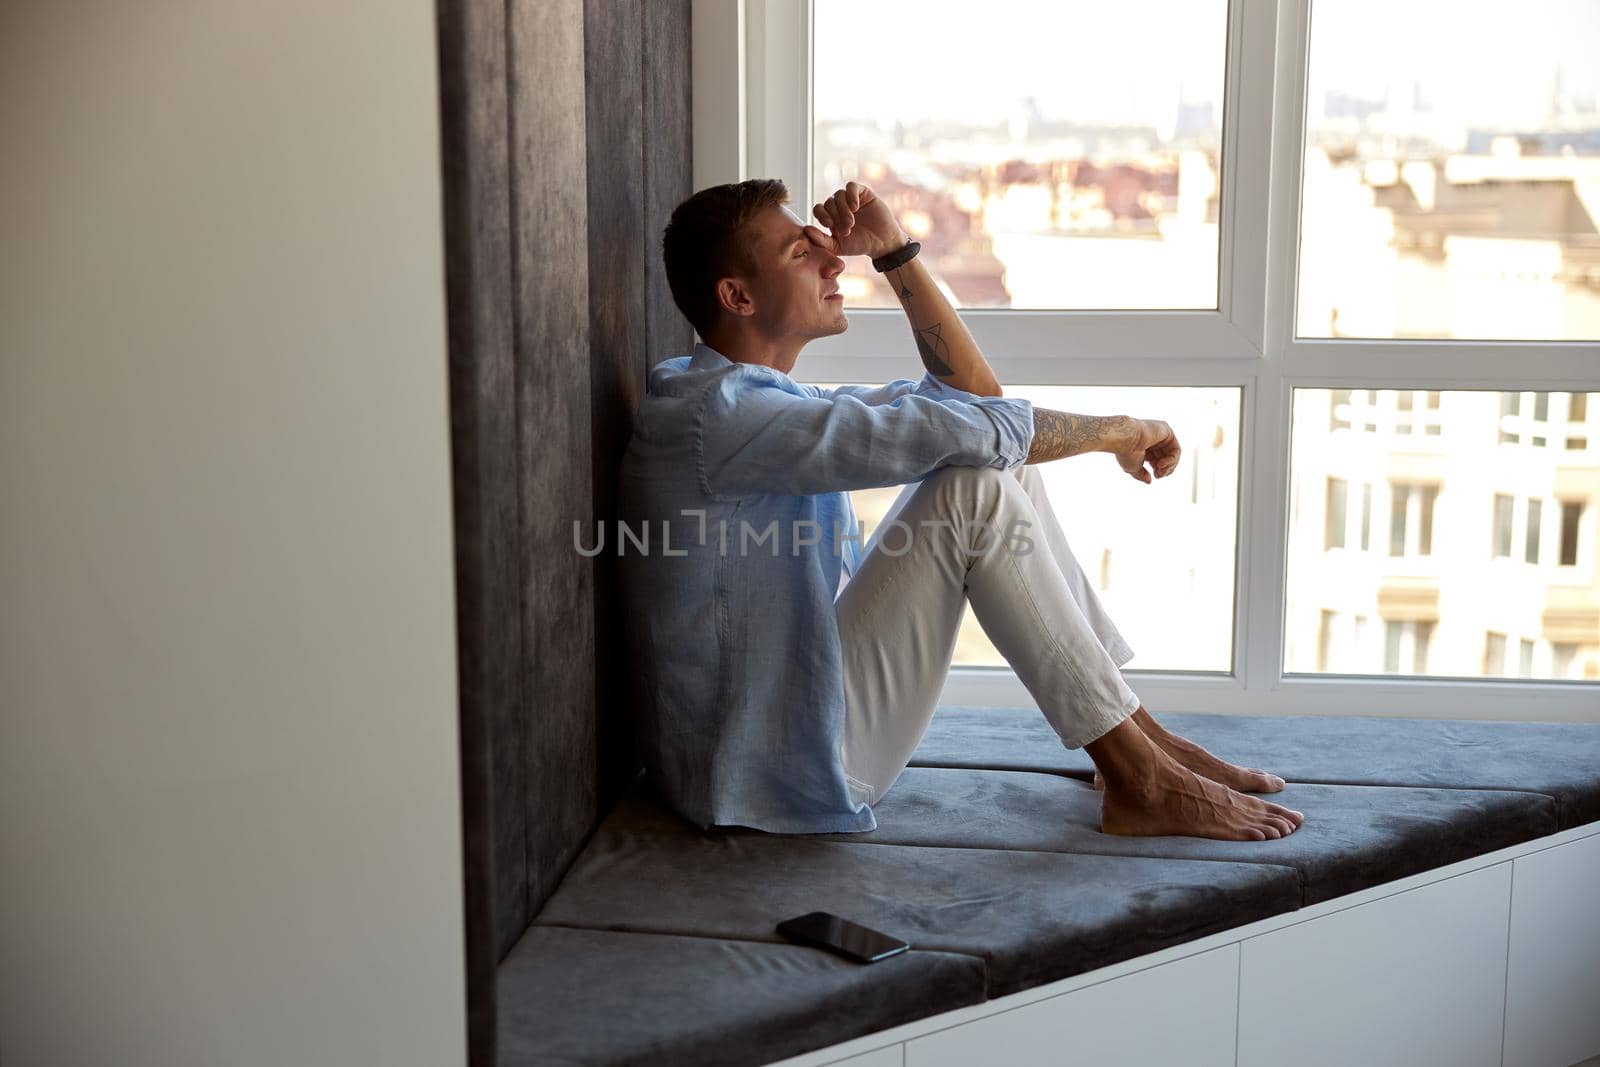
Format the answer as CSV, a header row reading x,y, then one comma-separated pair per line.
x,y
1278,45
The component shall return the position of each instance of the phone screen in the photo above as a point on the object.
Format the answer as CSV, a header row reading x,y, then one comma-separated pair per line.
x,y
825,930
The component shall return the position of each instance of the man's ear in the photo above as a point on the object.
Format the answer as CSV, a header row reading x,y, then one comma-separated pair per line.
x,y
734,297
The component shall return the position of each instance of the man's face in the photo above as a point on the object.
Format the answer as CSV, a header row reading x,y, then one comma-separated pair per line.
x,y
795,286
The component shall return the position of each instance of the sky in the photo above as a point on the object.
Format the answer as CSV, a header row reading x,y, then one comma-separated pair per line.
x,y
1487,61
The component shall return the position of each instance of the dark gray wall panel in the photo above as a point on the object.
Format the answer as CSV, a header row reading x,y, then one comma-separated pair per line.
x,y
471,41
668,170
550,256
617,249
565,141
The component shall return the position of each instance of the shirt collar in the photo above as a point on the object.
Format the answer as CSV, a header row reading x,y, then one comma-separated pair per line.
x,y
705,357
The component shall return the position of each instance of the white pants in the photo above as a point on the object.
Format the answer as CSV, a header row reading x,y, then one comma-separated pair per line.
x,y
899,614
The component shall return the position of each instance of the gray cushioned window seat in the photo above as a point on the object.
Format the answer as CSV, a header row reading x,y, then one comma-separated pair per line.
x,y
658,945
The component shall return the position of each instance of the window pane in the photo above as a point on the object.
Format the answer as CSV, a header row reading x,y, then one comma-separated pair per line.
x,y
1170,597
1571,516
1494,654
1454,501
1391,646
1366,516
1335,530
1046,155
1430,496
1447,168
1502,524
1397,520
1424,637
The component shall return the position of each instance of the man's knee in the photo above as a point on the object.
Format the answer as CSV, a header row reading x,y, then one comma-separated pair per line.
x,y
973,493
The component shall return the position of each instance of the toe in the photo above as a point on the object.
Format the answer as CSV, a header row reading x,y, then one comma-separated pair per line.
x,y
1267,783
1287,814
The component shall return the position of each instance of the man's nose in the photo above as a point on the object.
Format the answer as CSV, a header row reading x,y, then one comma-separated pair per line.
x,y
832,266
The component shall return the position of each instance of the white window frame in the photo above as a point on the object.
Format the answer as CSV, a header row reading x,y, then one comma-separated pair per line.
x,y
752,82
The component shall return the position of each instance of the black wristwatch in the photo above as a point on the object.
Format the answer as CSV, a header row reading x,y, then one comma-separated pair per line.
x,y
885,263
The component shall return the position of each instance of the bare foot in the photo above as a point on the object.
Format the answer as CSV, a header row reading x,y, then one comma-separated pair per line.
x,y
1198,760
1177,802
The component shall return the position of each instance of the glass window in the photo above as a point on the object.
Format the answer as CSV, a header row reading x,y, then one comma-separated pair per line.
x,y
1571,517
1392,633
1541,407
1335,530
1525,658
1188,632
1439,202
1502,524
1562,655
1494,654
1399,496
1423,640
1431,565
1046,155
1430,495
1366,516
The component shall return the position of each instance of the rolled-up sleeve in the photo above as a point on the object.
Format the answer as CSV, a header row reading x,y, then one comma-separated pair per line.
x,y
756,437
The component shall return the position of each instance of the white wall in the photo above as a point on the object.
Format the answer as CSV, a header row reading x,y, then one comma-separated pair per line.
x,y
228,770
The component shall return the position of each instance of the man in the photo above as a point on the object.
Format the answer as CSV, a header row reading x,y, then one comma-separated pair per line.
x,y
778,695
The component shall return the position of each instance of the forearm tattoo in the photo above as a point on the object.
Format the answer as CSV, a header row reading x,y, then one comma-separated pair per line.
x,y
1058,434
931,345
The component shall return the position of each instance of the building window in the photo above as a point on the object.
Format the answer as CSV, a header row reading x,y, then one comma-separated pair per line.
x,y
1562,655
1366,516
1494,654
1422,640
1411,507
1399,498
1525,659
1502,525
1401,637
1325,637
1334,535
1577,415
1392,633
1430,497
1030,206
1571,516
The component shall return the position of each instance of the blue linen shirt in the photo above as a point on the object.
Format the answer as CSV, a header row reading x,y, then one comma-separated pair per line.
x,y
732,493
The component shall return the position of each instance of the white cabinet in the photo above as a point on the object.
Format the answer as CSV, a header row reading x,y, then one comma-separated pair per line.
x,y
1180,1012
1410,979
1553,982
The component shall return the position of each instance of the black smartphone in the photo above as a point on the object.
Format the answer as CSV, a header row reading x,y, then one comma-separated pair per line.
x,y
842,937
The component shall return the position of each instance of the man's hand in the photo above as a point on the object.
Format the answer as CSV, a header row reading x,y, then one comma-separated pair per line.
x,y
860,223
1154,442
